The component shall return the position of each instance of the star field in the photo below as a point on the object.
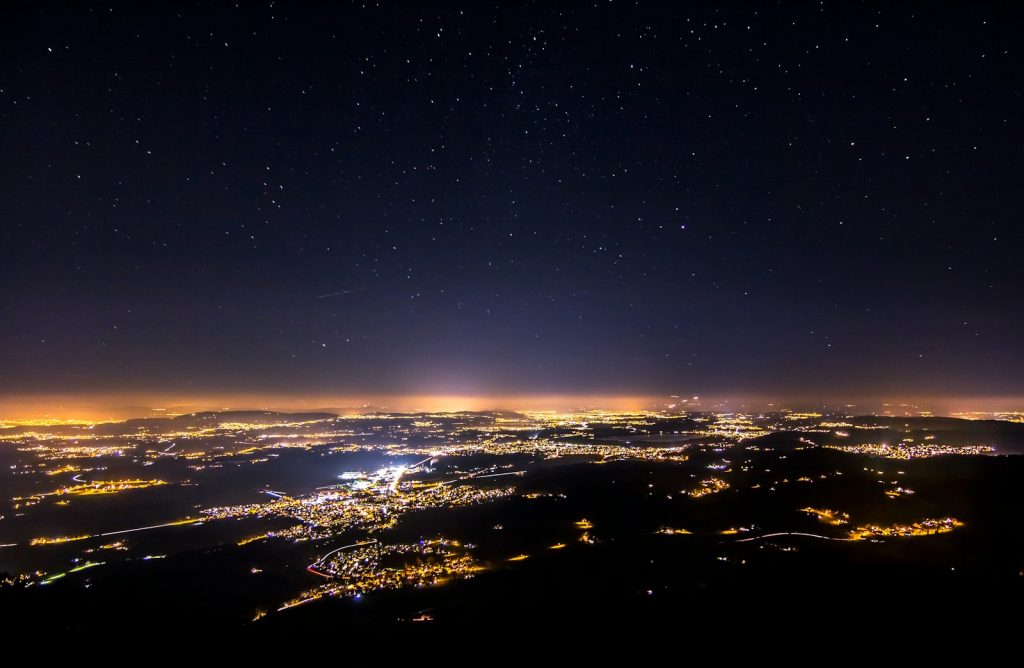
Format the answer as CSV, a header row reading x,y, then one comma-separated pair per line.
x,y
540,197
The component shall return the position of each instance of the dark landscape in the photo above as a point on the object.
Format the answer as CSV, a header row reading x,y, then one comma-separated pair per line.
x,y
568,520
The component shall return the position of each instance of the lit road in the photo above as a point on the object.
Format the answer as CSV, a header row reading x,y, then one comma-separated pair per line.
x,y
790,533
312,568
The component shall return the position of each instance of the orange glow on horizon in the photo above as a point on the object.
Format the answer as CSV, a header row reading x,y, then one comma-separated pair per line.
x,y
115,406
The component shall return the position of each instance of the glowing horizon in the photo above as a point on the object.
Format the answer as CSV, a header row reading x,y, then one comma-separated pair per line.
x,y
114,406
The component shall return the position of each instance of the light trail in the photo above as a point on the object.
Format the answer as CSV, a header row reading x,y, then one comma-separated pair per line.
x,y
402,470
790,533
319,561
188,520
419,463
398,477
296,603
57,576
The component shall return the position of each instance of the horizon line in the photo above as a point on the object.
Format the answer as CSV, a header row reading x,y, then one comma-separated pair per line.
x,y
116,406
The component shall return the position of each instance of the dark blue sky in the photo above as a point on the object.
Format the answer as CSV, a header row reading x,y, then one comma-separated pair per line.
x,y
547,197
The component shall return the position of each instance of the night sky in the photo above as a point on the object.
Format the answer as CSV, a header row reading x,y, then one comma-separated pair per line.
x,y
784,199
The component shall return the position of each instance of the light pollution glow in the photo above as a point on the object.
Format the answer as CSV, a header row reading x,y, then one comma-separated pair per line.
x,y
110,406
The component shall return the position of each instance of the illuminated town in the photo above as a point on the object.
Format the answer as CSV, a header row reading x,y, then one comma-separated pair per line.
x,y
370,566
366,513
910,450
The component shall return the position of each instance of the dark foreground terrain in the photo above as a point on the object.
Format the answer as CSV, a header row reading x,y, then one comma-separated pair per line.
x,y
700,526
